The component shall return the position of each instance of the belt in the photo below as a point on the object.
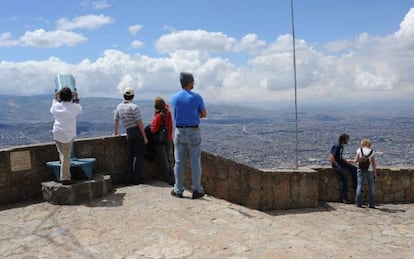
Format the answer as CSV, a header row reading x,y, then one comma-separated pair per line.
x,y
183,127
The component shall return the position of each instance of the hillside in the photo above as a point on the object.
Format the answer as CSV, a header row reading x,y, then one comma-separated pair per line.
x,y
256,137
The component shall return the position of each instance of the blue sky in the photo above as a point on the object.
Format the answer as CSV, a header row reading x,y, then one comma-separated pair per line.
x,y
240,51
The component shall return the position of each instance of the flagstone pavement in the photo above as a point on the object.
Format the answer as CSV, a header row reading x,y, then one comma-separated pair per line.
x,y
145,221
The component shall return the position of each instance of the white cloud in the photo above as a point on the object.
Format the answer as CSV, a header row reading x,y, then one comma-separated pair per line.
x,y
134,29
98,5
365,68
6,41
199,40
30,77
252,42
407,25
136,44
126,81
51,39
337,45
89,22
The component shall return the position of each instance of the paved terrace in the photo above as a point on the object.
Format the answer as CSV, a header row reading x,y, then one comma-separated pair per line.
x,y
146,222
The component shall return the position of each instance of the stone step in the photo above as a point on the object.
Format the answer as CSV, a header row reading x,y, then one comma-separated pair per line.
x,y
79,191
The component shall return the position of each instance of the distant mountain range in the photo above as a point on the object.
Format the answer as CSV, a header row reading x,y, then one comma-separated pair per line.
x,y
261,138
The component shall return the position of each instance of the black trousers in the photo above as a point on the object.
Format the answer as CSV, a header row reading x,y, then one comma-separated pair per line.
x,y
135,156
163,158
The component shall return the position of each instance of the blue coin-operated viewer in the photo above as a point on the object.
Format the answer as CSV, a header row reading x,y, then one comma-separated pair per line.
x,y
65,80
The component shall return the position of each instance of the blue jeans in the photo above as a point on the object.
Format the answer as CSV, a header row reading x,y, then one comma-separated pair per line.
x,y
371,187
187,138
341,169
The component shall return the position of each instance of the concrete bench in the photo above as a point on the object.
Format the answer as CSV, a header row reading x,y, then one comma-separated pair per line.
x,y
85,163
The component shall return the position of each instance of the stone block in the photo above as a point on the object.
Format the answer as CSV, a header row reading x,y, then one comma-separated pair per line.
x,y
80,191
282,198
254,199
222,190
405,181
304,191
237,192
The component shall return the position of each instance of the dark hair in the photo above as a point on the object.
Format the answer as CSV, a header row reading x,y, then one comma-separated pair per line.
x,y
342,138
186,78
128,97
65,94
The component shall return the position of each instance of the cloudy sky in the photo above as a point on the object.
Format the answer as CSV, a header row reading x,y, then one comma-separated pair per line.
x,y
240,51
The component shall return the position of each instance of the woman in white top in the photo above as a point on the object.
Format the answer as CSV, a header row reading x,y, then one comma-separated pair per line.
x,y
370,174
65,108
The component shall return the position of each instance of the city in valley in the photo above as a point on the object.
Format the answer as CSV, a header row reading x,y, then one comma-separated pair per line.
x,y
261,138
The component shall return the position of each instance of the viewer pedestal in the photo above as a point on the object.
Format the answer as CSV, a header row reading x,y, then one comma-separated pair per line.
x,y
81,190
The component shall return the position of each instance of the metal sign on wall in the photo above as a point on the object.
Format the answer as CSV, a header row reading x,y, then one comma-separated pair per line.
x,y
20,161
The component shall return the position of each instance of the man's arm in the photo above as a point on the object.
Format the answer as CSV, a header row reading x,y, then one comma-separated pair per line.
x,y
332,158
141,127
203,114
355,160
116,127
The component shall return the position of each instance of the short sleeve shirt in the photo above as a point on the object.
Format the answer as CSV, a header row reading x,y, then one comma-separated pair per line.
x,y
128,113
366,151
187,107
337,151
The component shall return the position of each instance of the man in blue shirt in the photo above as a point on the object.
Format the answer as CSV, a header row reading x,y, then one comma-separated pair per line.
x,y
341,166
188,108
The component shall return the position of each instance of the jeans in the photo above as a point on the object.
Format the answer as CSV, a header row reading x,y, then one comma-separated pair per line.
x,y
341,169
64,150
371,187
135,156
187,138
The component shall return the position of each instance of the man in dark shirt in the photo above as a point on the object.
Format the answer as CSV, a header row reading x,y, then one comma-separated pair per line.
x,y
341,166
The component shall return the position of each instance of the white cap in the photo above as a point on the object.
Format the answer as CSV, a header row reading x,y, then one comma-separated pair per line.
x,y
129,91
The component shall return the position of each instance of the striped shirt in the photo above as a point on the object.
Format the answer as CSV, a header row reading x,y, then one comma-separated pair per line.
x,y
128,113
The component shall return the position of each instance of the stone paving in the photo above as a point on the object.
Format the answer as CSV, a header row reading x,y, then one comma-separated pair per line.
x,y
145,221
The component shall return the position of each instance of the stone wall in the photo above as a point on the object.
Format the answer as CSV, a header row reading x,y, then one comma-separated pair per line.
x,y
263,190
23,168
392,185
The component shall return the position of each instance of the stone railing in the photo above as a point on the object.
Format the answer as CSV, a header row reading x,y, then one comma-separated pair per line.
x,y
263,190
23,169
392,185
